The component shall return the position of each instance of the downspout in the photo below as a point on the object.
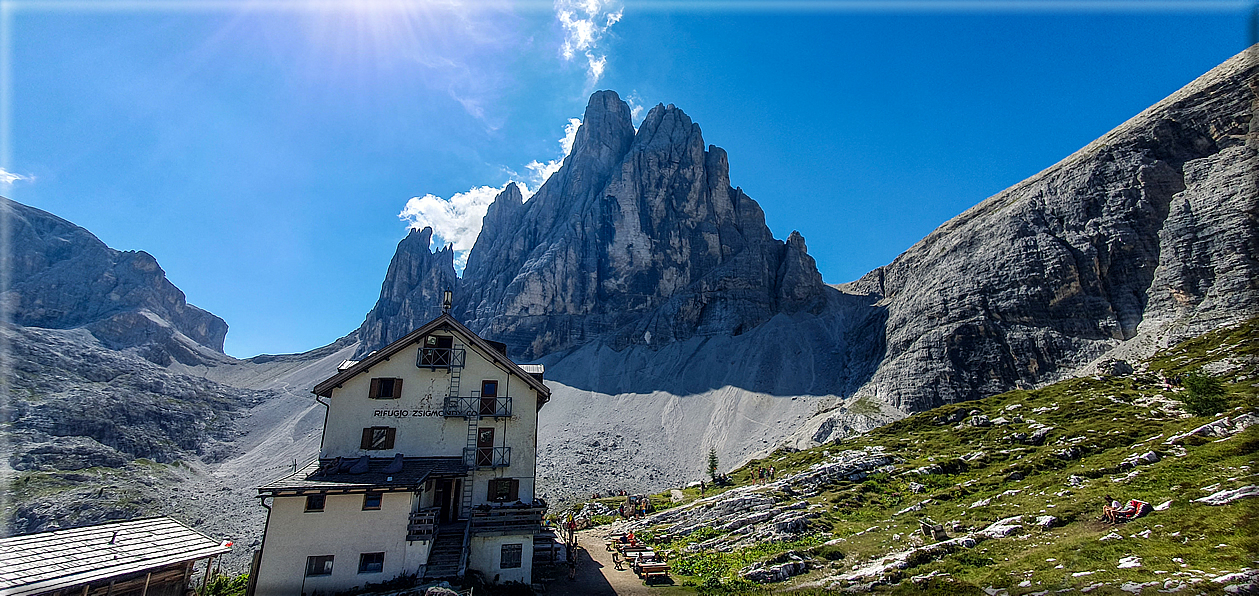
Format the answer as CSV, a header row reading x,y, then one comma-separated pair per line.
x,y
327,407
262,548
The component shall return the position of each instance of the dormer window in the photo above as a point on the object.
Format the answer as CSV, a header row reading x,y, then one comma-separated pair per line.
x,y
385,389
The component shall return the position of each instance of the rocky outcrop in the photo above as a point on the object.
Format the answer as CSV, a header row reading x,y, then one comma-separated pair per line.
x,y
1152,225
63,277
638,239
411,294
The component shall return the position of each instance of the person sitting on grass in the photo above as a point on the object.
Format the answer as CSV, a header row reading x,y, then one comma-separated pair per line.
x,y
1109,509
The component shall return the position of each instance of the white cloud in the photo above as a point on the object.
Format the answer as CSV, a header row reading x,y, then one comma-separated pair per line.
x,y
539,172
7,177
457,221
585,22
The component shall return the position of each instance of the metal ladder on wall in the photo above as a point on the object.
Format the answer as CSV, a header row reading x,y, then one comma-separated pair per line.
x,y
473,416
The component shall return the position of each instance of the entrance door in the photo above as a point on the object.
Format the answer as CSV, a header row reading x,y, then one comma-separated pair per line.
x,y
485,447
489,398
446,498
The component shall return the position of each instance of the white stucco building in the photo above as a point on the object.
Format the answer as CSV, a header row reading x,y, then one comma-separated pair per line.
x,y
426,468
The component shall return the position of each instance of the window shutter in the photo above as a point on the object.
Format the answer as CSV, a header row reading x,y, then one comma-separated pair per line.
x,y
374,390
367,439
397,388
389,435
515,490
493,491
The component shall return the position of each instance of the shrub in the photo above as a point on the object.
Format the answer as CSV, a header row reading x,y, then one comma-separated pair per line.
x,y
1204,395
829,552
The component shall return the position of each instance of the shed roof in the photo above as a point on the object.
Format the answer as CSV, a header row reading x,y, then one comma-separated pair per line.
x,y
45,561
446,321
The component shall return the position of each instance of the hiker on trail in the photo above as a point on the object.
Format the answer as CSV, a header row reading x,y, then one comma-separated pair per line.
x,y
701,488
772,471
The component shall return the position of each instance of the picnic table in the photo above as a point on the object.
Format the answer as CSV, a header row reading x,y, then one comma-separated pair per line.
x,y
634,556
650,570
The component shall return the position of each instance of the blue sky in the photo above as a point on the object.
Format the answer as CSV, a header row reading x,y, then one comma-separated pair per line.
x,y
263,151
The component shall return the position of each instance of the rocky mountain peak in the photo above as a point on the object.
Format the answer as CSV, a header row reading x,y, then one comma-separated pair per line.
x,y
63,277
412,291
605,134
638,235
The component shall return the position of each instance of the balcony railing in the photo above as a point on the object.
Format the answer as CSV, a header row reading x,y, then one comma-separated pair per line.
x,y
507,520
497,407
440,358
422,524
487,457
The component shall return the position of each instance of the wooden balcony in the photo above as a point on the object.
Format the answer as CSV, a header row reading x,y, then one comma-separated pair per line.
x,y
422,524
501,521
485,407
435,358
487,457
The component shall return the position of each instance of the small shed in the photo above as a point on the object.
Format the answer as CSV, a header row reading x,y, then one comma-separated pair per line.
x,y
143,557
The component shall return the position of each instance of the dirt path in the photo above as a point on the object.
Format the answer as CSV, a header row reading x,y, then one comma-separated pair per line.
x,y
597,576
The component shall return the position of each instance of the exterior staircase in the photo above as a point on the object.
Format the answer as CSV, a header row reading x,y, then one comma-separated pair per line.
x,y
444,558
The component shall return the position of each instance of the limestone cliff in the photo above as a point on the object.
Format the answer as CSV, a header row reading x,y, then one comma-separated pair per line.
x,y
62,277
1149,230
638,239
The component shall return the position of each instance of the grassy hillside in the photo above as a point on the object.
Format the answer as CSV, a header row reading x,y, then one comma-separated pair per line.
x,y
1053,451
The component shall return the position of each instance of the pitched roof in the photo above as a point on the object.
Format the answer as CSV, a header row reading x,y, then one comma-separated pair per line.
x,y
325,388
46,561
415,470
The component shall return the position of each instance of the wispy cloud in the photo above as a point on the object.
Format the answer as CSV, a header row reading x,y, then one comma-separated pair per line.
x,y
7,177
457,221
585,22
636,108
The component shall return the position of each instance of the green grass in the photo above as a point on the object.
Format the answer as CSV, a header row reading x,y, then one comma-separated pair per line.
x,y
1097,423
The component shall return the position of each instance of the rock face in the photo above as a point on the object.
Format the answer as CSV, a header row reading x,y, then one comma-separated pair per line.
x,y
638,239
638,273
411,294
1151,227
62,277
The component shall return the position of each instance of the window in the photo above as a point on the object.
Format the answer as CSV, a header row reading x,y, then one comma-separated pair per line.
x,y
371,501
371,562
319,565
504,490
489,388
378,437
510,557
315,502
385,389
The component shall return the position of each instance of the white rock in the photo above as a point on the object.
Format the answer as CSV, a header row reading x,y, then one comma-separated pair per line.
x,y
1110,536
1225,497
1129,562
1163,506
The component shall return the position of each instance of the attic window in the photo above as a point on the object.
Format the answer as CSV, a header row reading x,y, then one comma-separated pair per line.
x,y
385,389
